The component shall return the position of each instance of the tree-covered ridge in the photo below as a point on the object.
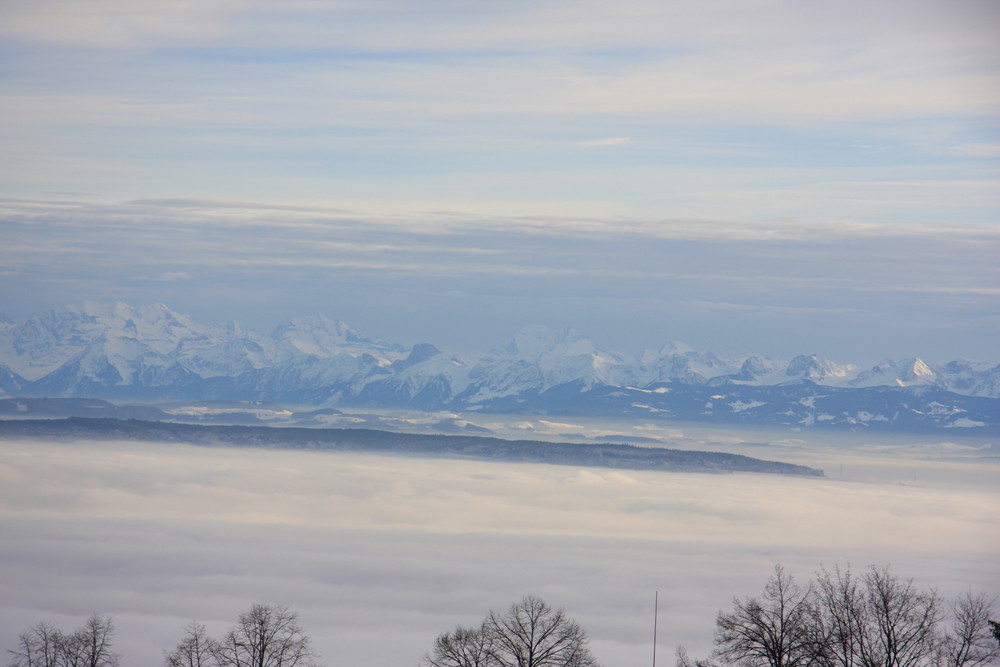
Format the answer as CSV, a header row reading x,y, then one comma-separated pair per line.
x,y
620,456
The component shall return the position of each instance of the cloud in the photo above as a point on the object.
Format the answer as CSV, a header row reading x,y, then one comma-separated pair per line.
x,y
609,141
783,283
171,276
157,534
460,104
977,150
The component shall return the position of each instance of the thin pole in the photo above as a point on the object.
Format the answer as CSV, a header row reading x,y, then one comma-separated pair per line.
x,y
656,614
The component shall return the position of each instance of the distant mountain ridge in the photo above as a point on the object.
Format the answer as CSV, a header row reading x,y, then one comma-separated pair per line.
x,y
150,353
605,455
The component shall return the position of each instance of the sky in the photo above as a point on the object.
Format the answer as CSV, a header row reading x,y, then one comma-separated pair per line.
x,y
769,177
379,555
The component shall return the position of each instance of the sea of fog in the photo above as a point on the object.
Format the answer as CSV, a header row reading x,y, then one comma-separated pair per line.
x,y
379,554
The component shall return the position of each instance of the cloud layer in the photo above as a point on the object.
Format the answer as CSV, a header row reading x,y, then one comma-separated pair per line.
x,y
855,292
369,547
729,110
775,169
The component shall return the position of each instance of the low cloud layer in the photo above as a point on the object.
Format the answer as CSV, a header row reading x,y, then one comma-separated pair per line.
x,y
366,548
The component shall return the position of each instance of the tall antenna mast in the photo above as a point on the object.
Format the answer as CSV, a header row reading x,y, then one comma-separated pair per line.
x,y
656,614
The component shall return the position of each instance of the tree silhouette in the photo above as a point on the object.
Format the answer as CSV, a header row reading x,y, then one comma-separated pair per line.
x,y
87,646
529,633
781,628
265,636
196,649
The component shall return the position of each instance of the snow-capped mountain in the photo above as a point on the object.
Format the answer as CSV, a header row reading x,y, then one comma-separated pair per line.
x,y
762,371
225,352
677,362
536,359
11,383
320,337
45,342
972,378
151,353
426,379
119,367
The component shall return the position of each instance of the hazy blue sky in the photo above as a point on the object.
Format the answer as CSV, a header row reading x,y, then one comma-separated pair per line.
x,y
771,176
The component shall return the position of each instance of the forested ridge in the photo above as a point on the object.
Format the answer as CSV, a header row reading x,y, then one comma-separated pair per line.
x,y
486,448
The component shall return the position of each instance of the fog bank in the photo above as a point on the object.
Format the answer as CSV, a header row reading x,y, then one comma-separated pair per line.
x,y
380,554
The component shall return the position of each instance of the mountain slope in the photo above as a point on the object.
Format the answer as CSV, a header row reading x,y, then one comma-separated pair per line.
x,y
151,353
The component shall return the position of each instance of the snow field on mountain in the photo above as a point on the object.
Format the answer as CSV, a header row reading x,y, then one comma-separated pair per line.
x,y
77,350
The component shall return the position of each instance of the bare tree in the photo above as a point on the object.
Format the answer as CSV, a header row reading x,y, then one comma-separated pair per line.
x,y
90,645
843,620
532,634
782,628
265,636
39,646
970,641
845,614
463,647
684,660
879,620
196,649
905,620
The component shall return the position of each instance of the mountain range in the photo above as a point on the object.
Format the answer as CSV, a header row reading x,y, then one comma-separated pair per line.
x,y
150,353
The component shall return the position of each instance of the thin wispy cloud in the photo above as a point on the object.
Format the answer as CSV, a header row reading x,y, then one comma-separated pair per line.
x,y
171,276
608,141
978,150
439,105
687,279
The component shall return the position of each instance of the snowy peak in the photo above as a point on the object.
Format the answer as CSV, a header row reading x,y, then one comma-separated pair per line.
x,y
534,341
564,356
426,379
537,358
238,351
675,347
319,336
421,352
46,341
315,331
916,369
903,373
155,325
677,362
811,367
971,378
106,350
757,367
114,365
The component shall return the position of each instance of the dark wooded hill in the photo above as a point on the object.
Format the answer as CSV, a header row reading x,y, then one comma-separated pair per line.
x,y
480,448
